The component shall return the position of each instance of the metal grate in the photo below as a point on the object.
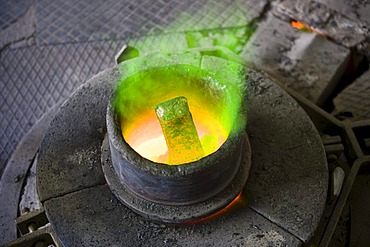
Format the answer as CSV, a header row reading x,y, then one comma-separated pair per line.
x,y
64,21
34,79
10,11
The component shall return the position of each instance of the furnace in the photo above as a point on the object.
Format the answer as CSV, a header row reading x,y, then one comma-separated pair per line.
x,y
228,123
76,143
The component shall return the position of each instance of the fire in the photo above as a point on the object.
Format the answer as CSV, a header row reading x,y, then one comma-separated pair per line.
x,y
145,135
215,101
300,26
238,200
297,25
154,149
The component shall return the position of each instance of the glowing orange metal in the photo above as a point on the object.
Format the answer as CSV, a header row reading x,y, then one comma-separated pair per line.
x,y
179,131
144,134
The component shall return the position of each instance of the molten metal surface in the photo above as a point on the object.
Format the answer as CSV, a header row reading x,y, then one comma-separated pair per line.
x,y
145,135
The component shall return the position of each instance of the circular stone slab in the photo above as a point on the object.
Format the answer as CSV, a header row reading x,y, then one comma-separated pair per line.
x,y
286,188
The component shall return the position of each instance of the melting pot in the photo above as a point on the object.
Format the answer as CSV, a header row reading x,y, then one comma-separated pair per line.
x,y
191,190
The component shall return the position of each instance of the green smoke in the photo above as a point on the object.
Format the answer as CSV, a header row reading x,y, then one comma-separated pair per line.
x,y
197,58
213,82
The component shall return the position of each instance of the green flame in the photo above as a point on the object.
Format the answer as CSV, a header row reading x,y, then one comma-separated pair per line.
x,y
197,60
215,83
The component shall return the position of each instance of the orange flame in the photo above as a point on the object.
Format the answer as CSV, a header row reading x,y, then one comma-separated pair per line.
x,y
300,26
228,207
145,135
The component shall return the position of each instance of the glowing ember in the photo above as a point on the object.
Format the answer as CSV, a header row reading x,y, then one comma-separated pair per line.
x,y
300,26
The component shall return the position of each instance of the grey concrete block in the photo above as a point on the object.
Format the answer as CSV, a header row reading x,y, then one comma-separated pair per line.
x,y
355,99
332,19
306,62
289,176
356,10
69,157
94,217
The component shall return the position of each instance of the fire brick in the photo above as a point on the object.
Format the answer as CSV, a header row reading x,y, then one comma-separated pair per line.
x,y
303,61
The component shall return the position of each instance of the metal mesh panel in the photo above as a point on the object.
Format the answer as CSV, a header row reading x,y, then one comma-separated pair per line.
x,y
10,11
34,78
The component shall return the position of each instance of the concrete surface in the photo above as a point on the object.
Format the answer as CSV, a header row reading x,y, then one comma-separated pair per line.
x,y
98,208
305,62
287,185
346,23
355,99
